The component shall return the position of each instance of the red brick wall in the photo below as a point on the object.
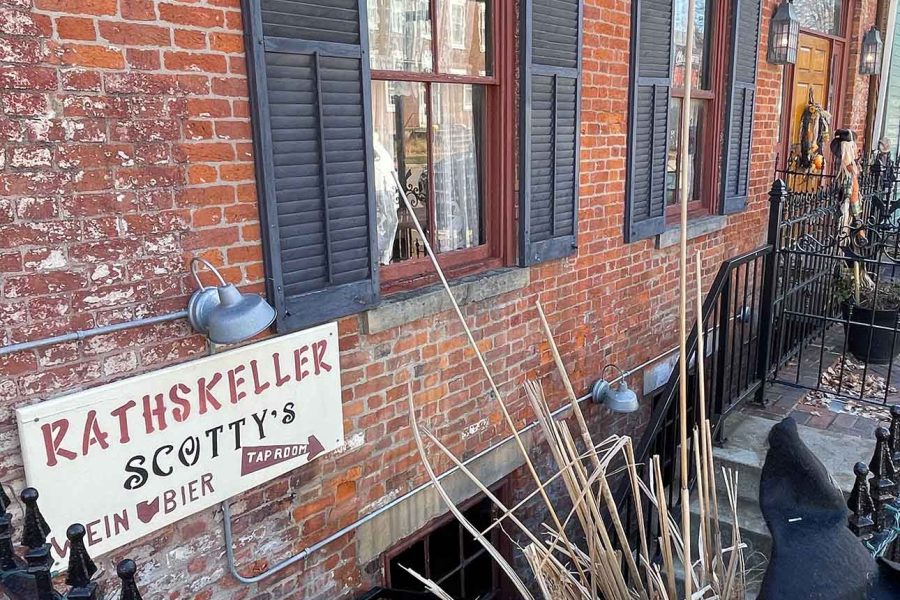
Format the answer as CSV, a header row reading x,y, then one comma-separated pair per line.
x,y
856,98
127,150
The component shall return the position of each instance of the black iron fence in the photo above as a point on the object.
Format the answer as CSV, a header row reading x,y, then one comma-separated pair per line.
x,y
29,576
836,285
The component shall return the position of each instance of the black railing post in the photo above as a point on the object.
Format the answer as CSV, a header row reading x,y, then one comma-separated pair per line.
x,y
883,475
861,505
777,196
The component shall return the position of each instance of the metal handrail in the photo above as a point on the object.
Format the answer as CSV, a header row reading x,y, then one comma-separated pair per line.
x,y
306,552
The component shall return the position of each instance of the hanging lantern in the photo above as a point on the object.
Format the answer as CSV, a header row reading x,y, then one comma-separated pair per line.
x,y
870,53
784,33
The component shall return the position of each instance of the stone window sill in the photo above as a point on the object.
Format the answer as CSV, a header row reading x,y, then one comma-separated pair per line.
x,y
405,307
696,228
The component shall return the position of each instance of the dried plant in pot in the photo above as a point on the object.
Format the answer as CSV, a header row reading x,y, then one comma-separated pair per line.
x,y
870,311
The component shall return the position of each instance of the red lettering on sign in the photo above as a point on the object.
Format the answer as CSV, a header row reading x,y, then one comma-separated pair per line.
x,y
299,361
182,408
279,379
53,437
234,382
205,395
158,411
258,388
121,413
93,434
319,349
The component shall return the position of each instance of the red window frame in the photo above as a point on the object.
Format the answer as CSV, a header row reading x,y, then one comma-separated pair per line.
x,y
714,124
499,165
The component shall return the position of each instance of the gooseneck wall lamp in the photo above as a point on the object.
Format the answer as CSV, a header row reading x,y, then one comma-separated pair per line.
x,y
223,313
870,52
619,399
784,35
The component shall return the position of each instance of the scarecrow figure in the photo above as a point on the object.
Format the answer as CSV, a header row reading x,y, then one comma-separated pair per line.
x,y
853,234
845,152
815,130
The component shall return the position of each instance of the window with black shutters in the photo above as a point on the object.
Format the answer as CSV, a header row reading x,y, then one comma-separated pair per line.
x,y
721,114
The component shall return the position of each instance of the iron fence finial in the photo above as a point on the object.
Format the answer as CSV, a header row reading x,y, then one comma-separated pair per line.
x,y
35,529
860,504
81,567
126,570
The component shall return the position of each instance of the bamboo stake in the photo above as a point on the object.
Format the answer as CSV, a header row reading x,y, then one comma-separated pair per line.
x,y
707,476
481,360
570,391
495,554
682,305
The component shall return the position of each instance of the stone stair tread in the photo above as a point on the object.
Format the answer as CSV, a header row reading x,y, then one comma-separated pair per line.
x,y
746,447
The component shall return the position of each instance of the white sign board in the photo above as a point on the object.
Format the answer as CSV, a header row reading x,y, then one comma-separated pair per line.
x,y
133,456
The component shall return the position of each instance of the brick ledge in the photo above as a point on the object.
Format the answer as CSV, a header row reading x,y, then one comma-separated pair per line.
x,y
696,228
417,304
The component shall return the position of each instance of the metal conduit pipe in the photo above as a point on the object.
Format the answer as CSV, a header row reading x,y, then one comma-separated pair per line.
x,y
77,336
306,552
226,509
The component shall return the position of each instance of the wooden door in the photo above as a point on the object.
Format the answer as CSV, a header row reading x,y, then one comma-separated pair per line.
x,y
812,72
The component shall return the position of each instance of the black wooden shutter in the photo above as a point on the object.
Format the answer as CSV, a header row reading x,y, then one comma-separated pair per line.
x,y
550,124
648,123
741,101
310,91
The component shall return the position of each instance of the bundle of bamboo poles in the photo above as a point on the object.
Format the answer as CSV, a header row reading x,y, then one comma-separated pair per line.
x,y
586,552
603,561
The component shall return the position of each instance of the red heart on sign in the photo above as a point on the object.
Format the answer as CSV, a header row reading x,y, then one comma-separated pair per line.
x,y
147,510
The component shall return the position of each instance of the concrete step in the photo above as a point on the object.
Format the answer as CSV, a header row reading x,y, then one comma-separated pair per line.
x,y
754,535
746,445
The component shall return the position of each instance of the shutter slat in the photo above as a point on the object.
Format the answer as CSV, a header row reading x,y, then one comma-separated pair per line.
x,y
648,122
310,95
740,105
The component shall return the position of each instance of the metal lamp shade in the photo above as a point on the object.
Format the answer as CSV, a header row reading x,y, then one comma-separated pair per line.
x,y
784,35
870,53
227,316
620,399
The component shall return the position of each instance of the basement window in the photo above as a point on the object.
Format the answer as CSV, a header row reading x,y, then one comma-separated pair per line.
x,y
448,555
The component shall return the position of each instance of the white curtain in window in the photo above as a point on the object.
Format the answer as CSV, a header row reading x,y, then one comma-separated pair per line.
x,y
457,186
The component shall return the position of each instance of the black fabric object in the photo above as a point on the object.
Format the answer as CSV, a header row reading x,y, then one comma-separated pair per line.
x,y
740,105
814,554
648,119
310,91
550,122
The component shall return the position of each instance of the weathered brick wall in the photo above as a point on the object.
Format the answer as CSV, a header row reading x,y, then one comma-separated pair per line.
x,y
856,97
127,150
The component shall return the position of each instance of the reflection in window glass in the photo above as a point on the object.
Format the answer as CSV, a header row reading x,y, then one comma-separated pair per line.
x,y
820,15
400,139
701,43
695,150
463,43
458,153
399,35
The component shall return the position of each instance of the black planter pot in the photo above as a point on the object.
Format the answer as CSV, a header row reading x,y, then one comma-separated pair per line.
x,y
859,330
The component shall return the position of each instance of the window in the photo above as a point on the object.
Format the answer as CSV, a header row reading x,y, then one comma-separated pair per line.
x,y
448,555
720,129
703,95
823,16
429,113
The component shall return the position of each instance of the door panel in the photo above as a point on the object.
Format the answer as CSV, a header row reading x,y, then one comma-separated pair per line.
x,y
812,72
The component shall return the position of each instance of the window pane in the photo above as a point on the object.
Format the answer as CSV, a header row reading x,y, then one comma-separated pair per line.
x,y
400,139
458,159
701,43
820,15
464,44
400,35
695,150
